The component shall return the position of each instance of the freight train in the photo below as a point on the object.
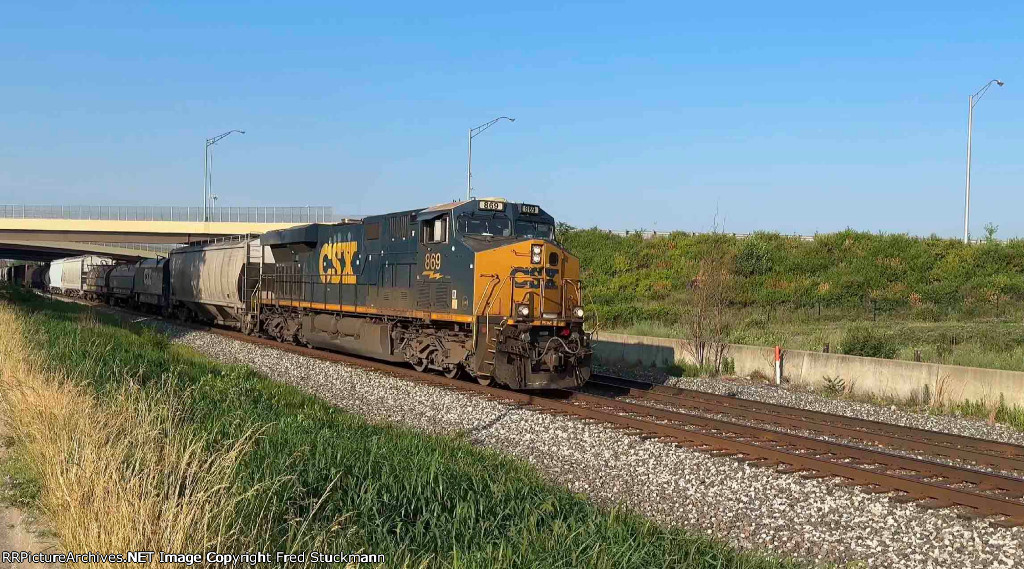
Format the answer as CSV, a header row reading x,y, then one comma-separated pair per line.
x,y
477,287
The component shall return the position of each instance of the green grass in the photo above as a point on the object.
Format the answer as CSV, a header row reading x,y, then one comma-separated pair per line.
x,y
435,501
958,304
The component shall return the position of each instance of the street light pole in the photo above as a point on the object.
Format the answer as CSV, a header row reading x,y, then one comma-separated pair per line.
x,y
207,175
473,132
973,100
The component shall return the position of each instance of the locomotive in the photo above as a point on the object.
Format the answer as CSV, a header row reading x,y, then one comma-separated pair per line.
x,y
477,287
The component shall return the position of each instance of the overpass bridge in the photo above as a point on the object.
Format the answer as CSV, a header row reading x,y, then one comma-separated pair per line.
x,y
149,224
30,232
42,251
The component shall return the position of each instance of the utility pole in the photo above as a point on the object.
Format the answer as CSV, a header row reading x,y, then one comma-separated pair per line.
x,y
207,174
473,132
973,100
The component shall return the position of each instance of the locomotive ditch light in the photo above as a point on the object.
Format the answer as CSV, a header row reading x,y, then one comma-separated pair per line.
x,y
535,252
523,310
578,312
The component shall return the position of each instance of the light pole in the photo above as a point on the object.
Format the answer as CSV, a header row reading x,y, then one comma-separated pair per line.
x,y
213,210
207,174
473,132
970,125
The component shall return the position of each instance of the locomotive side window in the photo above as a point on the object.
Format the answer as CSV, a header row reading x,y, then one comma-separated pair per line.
x,y
435,230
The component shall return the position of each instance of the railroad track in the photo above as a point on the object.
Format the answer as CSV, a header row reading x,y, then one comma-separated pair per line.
x,y
924,481
927,482
983,452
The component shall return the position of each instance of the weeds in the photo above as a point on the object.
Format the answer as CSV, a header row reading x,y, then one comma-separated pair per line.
x,y
123,473
866,342
683,368
834,386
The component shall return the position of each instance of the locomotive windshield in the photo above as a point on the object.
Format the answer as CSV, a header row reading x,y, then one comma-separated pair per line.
x,y
535,230
496,225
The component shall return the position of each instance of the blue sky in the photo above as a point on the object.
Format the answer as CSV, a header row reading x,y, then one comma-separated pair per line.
x,y
794,118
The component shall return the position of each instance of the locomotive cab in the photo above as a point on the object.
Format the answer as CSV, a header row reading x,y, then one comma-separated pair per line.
x,y
527,302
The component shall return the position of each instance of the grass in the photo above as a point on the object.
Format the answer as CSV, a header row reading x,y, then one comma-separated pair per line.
x,y
293,471
955,303
119,474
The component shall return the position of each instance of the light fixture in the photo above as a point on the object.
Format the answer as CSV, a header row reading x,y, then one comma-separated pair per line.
x,y
535,252
578,312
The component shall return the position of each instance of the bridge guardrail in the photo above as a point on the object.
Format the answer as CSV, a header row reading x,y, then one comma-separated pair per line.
x,y
265,214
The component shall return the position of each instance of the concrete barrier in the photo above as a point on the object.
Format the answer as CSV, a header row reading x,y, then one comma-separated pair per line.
x,y
886,378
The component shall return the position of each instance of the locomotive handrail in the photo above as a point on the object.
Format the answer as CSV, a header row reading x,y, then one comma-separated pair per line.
x,y
487,309
543,297
487,320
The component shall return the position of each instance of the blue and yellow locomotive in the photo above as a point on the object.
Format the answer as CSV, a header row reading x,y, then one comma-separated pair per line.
x,y
478,287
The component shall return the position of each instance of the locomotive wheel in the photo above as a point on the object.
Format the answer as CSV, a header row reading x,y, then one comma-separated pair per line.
x,y
453,372
484,380
419,365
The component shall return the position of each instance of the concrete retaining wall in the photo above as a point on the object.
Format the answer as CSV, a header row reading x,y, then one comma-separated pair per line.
x,y
866,375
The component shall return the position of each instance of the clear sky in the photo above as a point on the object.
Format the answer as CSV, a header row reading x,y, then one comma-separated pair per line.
x,y
781,116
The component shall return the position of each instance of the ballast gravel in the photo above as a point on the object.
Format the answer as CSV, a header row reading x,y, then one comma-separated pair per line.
x,y
745,389
818,521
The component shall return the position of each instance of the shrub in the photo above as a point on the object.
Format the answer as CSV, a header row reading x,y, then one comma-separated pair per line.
x,y
758,375
863,341
728,366
834,386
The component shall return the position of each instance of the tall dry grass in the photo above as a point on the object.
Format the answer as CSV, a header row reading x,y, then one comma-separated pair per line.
x,y
117,476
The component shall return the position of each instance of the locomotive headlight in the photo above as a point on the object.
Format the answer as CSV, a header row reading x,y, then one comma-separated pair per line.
x,y
535,252
578,312
523,310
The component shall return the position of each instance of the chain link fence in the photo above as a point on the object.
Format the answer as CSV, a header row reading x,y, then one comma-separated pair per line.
x,y
301,214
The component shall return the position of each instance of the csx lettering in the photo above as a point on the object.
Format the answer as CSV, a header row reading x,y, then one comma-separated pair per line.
x,y
336,262
432,261
536,272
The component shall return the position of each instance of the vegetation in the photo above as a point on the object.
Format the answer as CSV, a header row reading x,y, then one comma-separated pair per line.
x,y
954,303
232,460
862,341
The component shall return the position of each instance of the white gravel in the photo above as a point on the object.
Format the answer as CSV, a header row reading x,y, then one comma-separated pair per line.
x,y
815,520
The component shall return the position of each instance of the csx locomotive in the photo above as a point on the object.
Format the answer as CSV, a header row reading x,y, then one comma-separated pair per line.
x,y
477,286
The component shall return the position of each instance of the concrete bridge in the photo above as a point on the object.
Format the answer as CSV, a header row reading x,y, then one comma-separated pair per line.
x,y
149,224
42,251
30,232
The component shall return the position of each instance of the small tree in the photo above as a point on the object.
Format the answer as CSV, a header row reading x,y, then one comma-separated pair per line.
x,y
990,231
707,317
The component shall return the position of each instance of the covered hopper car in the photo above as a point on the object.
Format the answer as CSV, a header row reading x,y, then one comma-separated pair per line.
x,y
66,275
